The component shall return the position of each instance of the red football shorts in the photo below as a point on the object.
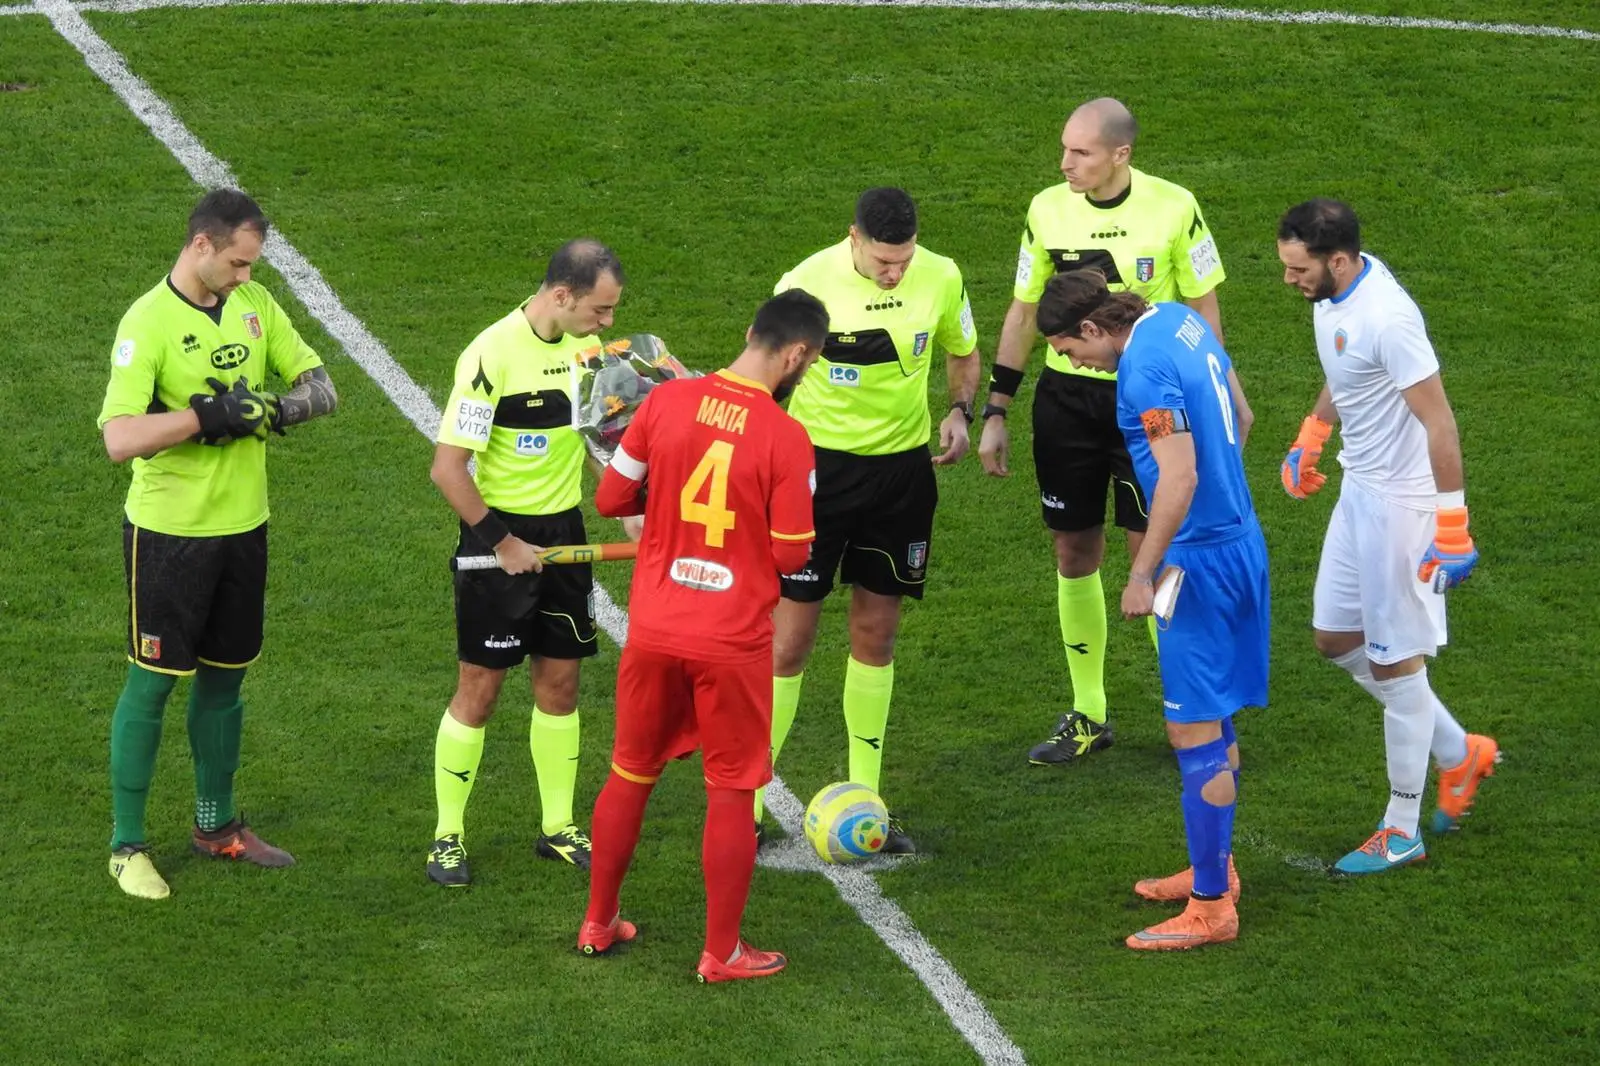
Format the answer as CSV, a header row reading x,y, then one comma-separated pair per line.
x,y
668,706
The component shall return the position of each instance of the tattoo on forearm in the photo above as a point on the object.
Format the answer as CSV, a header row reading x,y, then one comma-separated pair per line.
x,y
311,397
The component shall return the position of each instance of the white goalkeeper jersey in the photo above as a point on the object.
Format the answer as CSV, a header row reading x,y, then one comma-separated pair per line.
x,y
1373,344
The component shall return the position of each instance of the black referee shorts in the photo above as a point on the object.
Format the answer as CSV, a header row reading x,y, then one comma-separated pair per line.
x,y
194,600
874,519
1078,451
503,618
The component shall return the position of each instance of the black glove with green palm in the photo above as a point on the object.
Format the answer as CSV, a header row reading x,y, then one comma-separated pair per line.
x,y
231,414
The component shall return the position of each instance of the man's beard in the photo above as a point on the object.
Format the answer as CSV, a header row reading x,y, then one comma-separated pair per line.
x,y
1326,287
787,386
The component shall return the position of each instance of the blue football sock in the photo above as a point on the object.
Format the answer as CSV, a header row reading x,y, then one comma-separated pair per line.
x,y
1209,827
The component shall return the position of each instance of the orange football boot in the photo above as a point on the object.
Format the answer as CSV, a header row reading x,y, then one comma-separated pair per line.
x,y
1458,785
1181,884
1203,921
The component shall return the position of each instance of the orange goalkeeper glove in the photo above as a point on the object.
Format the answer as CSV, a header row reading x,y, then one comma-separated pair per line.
x,y
1300,474
1450,558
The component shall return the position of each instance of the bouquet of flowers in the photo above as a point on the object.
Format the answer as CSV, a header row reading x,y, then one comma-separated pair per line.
x,y
615,379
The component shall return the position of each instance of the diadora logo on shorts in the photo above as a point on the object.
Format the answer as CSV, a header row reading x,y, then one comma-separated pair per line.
x,y
848,376
502,642
703,575
1055,503
805,575
886,303
533,443
229,356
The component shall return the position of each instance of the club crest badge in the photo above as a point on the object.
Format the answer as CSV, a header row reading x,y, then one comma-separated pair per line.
x,y
1340,339
252,325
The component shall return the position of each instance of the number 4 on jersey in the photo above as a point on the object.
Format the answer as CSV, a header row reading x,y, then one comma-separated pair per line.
x,y
713,513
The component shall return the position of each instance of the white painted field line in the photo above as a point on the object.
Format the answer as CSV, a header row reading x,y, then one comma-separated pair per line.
x,y
1201,12
965,1010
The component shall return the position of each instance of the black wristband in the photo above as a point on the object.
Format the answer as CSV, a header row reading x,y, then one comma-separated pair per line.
x,y
490,529
990,410
1005,380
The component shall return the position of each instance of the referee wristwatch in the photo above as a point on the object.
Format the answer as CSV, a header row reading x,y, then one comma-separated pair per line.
x,y
965,407
990,410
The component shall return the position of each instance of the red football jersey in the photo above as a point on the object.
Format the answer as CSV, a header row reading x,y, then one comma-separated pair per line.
x,y
728,477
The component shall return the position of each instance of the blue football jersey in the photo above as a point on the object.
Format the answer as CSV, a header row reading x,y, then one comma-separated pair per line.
x,y
1174,368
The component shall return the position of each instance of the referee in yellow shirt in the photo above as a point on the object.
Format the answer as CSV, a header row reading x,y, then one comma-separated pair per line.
x,y
892,305
511,409
1145,235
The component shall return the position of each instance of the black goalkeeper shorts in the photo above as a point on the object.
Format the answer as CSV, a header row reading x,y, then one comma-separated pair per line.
x,y
194,600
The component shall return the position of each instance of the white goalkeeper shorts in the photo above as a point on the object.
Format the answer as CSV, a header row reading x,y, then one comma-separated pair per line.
x,y
1367,579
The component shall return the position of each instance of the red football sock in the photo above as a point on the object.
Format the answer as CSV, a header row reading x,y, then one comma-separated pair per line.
x,y
618,815
728,853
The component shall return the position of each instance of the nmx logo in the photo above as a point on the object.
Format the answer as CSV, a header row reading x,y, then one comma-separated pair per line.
x,y
1373,645
533,443
848,376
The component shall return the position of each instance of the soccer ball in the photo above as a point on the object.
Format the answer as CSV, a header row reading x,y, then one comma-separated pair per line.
x,y
846,822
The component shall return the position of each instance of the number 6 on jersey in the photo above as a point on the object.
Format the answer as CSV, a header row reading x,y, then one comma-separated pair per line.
x,y
713,514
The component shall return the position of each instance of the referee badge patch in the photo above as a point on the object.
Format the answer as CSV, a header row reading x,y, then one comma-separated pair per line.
x,y
919,345
917,555
252,325
149,647
1144,268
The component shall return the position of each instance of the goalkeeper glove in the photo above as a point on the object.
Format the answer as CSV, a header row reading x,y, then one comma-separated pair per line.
x,y
1300,474
226,413
1450,558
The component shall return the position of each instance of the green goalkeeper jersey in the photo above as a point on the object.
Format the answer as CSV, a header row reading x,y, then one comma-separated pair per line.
x,y
1151,240
514,403
868,392
166,349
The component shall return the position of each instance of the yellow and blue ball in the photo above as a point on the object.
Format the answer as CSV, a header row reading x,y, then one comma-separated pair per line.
x,y
846,822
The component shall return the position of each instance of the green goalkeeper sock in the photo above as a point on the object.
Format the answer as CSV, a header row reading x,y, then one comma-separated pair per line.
x,y
867,690
135,736
216,723
1154,640
553,739
785,703
1081,606
456,753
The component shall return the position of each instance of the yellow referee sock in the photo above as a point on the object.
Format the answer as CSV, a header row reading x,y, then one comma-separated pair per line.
x,y
553,740
1081,606
785,703
456,753
867,691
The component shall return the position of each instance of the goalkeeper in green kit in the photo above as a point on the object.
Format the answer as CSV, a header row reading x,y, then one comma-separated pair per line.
x,y
186,404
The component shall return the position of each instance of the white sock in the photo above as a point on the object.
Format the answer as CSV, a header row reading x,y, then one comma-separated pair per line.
x,y
1357,665
1449,739
1407,732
